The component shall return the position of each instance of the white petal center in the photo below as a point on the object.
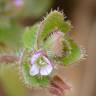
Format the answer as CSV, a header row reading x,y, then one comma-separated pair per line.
x,y
34,70
46,70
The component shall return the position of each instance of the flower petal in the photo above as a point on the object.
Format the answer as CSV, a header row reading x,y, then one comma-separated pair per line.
x,y
34,70
46,59
46,70
34,57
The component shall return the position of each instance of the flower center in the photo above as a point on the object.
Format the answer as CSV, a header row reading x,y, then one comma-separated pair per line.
x,y
41,62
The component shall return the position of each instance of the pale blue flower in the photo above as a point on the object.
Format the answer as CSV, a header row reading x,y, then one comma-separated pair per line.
x,y
40,64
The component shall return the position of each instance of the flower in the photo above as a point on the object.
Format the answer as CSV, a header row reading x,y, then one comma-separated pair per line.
x,y
40,64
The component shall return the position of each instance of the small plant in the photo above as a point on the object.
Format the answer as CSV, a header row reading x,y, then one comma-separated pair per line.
x,y
47,44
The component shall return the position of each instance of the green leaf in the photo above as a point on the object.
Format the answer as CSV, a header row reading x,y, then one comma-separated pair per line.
x,y
27,78
30,36
53,21
33,80
73,56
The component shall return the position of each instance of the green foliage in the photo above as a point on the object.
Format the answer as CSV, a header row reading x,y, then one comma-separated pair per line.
x,y
51,37
73,56
66,53
55,20
33,80
30,36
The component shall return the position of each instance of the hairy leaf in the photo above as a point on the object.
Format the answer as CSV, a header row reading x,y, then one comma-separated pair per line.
x,y
33,80
73,55
53,21
30,36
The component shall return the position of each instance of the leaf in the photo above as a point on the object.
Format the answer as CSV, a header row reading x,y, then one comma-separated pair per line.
x,y
27,78
30,36
73,56
53,21
33,80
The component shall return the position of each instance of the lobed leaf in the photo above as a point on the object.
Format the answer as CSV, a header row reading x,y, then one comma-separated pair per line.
x,y
53,21
30,36
73,56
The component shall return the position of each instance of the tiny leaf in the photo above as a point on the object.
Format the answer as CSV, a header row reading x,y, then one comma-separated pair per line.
x,y
33,80
73,56
53,21
30,36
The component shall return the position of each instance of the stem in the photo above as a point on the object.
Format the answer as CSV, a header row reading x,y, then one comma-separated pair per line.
x,y
9,58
